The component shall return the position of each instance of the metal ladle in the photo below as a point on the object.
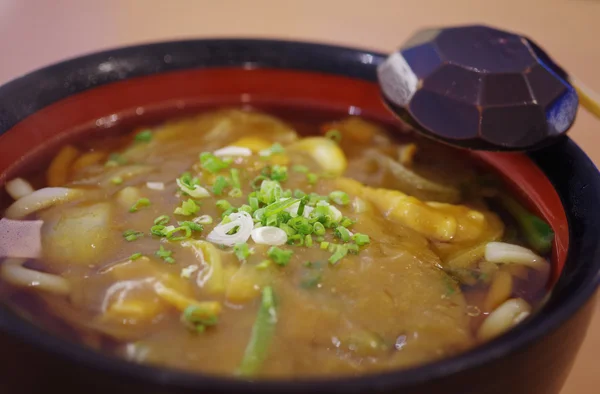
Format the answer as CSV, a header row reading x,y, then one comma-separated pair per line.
x,y
478,87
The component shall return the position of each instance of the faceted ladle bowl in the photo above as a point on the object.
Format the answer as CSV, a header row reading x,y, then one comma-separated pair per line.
x,y
481,88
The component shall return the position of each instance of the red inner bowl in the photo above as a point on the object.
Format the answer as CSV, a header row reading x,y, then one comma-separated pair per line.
x,y
140,98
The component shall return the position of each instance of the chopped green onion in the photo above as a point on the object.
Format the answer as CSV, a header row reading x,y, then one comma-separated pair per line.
x,y
115,160
245,208
194,318
241,251
280,256
220,184
342,233
204,219
346,222
339,197
300,169
277,148
142,202
157,230
262,333
324,245
308,241
318,228
253,201
301,225
235,178
116,180
312,178
144,136
235,193
187,208
228,212
279,173
132,235
169,233
165,255
135,256
193,226
162,219
299,193
223,205
288,230
334,135
339,252
263,264
361,239
212,163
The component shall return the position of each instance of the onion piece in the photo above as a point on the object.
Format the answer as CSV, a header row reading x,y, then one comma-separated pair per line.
x,y
20,238
506,316
336,214
505,253
40,199
18,188
269,235
238,151
13,272
245,225
155,185
197,192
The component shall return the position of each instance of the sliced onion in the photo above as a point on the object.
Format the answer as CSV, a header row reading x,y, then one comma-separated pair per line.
x,y
13,272
232,151
197,192
241,219
40,199
269,235
506,316
505,253
20,238
155,185
18,188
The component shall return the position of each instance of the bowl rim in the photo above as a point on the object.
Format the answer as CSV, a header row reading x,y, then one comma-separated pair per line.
x,y
576,180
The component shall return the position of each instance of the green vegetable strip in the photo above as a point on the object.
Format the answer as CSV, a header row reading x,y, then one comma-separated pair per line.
x,y
261,337
539,234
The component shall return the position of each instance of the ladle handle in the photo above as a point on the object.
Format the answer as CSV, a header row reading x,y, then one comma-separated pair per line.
x,y
588,99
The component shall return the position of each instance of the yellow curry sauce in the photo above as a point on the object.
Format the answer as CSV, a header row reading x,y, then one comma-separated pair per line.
x,y
383,263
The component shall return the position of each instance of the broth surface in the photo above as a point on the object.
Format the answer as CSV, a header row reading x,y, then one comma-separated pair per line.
x,y
397,251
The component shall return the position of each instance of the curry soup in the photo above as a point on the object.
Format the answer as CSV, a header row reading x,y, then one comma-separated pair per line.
x,y
236,242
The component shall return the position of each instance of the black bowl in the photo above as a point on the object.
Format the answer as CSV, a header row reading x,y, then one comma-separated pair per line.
x,y
535,357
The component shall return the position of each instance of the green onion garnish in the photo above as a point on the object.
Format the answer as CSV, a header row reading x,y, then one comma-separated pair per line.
x,y
318,228
342,233
135,256
187,208
116,180
212,163
300,169
193,226
162,219
132,235
241,251
144,136
165,255
324,245
339,252
220,184
339,197
312,178
279,173
142,202
361,239
223,205
280,256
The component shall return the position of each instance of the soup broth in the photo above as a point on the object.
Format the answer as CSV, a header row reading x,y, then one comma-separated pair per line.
x,y
241,242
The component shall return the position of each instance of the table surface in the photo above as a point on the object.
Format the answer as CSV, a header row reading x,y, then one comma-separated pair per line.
x,y
38,32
